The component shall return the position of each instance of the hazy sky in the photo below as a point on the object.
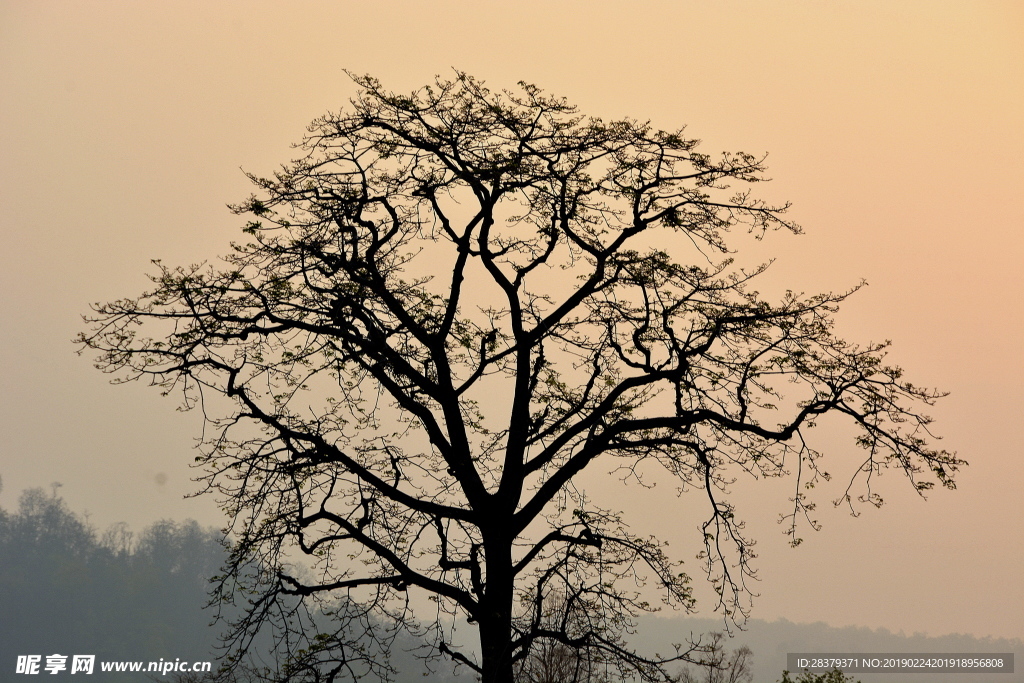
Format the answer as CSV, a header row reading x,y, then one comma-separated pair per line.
x,y
895,128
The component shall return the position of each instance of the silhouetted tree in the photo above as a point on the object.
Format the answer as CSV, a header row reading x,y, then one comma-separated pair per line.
x,y
447,308
719,665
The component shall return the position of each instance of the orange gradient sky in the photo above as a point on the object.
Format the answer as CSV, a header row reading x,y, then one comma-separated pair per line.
x,y
895,128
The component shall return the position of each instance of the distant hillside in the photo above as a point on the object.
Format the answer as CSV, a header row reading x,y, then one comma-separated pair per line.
x,y
66,589
771,641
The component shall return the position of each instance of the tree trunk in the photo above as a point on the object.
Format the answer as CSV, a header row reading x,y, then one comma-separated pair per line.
x,y
495,623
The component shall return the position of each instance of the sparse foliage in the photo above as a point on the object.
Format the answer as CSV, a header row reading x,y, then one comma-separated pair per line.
x,y
447,308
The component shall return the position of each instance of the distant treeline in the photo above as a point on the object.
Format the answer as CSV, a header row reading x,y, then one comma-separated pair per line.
x,y
66,589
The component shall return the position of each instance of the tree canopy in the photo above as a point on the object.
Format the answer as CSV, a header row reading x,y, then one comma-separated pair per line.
x,y
447,308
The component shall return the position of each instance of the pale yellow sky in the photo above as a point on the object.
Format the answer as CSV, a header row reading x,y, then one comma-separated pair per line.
x,y
893,127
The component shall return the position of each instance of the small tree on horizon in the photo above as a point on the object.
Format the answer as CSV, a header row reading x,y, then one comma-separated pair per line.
x,y
719,665
451,305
